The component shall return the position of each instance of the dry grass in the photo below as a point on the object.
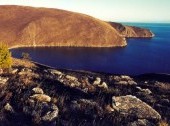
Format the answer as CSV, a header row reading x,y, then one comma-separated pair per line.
x,y
28,26
163,123
24,63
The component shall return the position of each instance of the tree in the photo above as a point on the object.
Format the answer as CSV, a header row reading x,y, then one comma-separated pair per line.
x,y
5,57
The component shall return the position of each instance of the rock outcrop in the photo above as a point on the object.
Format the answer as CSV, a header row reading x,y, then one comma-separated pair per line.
x,y
132,31
39,95
28,26
131,106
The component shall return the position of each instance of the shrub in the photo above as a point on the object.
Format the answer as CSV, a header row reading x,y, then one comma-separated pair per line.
x,y
5,57
25,56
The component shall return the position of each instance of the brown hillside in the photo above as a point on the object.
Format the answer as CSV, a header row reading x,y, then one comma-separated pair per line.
x,y
131,31
28,26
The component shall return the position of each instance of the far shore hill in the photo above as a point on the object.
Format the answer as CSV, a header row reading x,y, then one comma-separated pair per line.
x,y
23,26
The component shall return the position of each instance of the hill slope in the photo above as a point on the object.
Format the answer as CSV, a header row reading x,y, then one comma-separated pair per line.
x,y
28,26
132,31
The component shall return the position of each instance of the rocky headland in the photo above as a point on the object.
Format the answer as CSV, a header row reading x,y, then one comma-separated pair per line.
x,y
33,94
132,31
23,26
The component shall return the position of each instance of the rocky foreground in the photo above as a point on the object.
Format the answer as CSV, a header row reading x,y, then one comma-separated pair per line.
x,y
33,94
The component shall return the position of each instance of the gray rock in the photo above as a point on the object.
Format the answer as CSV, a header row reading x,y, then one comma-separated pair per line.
x,y
131,106
127,78
50,116
141,122
3,80
41,97
38,90
122,83
117,78
9,108
131,82
55,72
146,91
97,81
14,71
71,78
103,85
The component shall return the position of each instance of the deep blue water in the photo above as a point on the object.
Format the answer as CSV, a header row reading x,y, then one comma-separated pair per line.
x,y
138,57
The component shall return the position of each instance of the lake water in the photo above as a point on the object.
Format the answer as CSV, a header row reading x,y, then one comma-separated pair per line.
x,y
138,57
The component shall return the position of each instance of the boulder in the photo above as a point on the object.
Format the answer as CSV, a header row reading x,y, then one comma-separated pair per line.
x,y
9,108
41,97
14,71
97,81
132,106
103,85
71,78
3,80
141,122
38,90
55,72
146,91
50,115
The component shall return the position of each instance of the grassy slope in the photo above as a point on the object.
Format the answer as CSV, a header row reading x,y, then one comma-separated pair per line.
x,y
28,26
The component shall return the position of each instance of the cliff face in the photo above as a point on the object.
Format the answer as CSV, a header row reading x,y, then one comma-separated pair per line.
x,y
27,26
131,31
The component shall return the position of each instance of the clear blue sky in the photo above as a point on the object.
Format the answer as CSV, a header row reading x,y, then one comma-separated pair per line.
x,y
109,10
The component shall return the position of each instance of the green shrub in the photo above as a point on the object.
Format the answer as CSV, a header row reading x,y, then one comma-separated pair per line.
x,y
25,56
5,57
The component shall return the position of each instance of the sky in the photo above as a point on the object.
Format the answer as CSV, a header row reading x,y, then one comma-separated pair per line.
x,y
109,10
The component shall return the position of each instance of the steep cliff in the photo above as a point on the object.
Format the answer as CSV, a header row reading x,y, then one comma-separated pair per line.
x,y
28,26
132,31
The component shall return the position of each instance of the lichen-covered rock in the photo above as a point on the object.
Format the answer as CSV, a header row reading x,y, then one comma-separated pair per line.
x,y
3,81
97,81
38,90
103,85
55,72
146,91
131,106
9,108
141,122
41,97
50,115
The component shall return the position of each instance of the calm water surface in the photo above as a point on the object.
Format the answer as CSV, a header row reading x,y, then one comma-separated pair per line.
x,y
138,57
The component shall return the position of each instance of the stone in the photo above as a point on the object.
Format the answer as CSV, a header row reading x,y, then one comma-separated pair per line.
x,y
9,108
140,122
14,71
41,97
131,82
38,90
131,106
56,72
97,81
72,78
103,85
125,77
50,115
146,91
117,78
122,83
3,80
